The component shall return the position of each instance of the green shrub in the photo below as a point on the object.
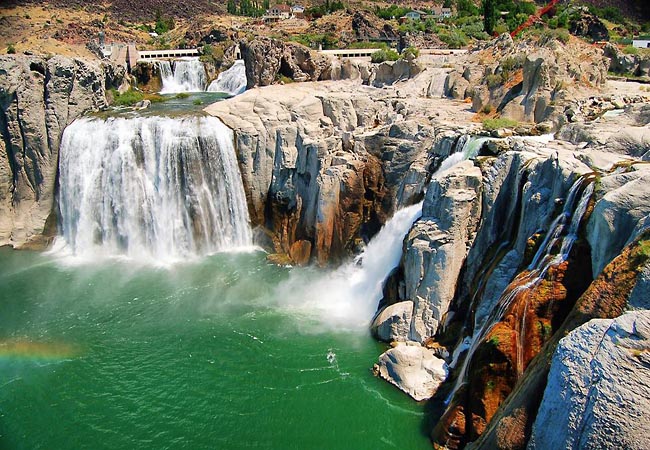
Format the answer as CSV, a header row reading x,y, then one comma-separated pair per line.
x,y
11,49
182,95
384,55
410,51
487,109
630,50
512,63
454,38
366,44
163,24
494,80
495,124
129,98
197,101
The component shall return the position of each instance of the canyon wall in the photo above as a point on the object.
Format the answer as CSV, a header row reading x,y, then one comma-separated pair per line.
x,y
39,97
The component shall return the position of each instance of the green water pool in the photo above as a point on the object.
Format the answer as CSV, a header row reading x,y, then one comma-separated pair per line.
x,y
193,356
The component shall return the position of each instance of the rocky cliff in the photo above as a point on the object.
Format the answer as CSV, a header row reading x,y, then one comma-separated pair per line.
x,y
39,98
531,81
323,167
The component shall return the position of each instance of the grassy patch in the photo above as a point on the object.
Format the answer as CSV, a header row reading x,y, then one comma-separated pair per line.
x,y
495,124
182,95
384,55
630,50
129,98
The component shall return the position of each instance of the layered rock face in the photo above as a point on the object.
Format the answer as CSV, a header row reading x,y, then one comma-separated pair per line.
x,y
266,59
323,169
527,82
39,98
599,379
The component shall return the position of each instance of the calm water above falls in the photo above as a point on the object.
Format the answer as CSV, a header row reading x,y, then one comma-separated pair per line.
x,y
203,355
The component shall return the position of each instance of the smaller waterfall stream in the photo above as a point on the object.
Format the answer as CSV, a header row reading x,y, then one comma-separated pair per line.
x,y
231,81
348,296
546,257
182,75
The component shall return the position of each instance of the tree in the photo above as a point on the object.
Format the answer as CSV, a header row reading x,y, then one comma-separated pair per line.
x,y
489,16
232,7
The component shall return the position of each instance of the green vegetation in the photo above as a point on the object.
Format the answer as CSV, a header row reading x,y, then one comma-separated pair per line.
x,y
466,8
129,98
494,340
182,95
11,49
494,80
247,8
327,40
213,54
366,44
644,248
322,10
384,55
284,79
495,124
489,16
197,102
392,12
410,52
453,38
163,24
610,13
630,50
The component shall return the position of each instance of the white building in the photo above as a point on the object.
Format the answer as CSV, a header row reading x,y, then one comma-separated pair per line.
x,y
414,15
438,12
277,12
641,43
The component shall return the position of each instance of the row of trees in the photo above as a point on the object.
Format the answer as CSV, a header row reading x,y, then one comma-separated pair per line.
x,y
249,8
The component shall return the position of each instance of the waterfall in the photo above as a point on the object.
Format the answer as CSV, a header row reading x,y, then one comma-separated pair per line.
x,y
543,260
348,296
182,75
151,188
231,81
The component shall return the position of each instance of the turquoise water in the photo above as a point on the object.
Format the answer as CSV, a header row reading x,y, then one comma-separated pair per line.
x,y
199,355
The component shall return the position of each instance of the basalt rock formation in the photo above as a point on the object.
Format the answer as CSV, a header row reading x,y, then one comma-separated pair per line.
x,y
527,82
267,59
39,98
323,170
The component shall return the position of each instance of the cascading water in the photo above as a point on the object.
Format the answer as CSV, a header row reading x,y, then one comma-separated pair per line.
x,y
231,81
348,297
151,188
543,260
182,75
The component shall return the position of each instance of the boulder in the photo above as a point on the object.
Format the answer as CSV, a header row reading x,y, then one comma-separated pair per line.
x,y
598,389
414,369
393,323
266,59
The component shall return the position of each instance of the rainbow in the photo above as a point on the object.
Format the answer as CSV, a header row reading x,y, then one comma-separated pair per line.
x,y
26,349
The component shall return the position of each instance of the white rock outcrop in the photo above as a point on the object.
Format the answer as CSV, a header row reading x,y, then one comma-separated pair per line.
x,y
413,369
598,391
437,245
